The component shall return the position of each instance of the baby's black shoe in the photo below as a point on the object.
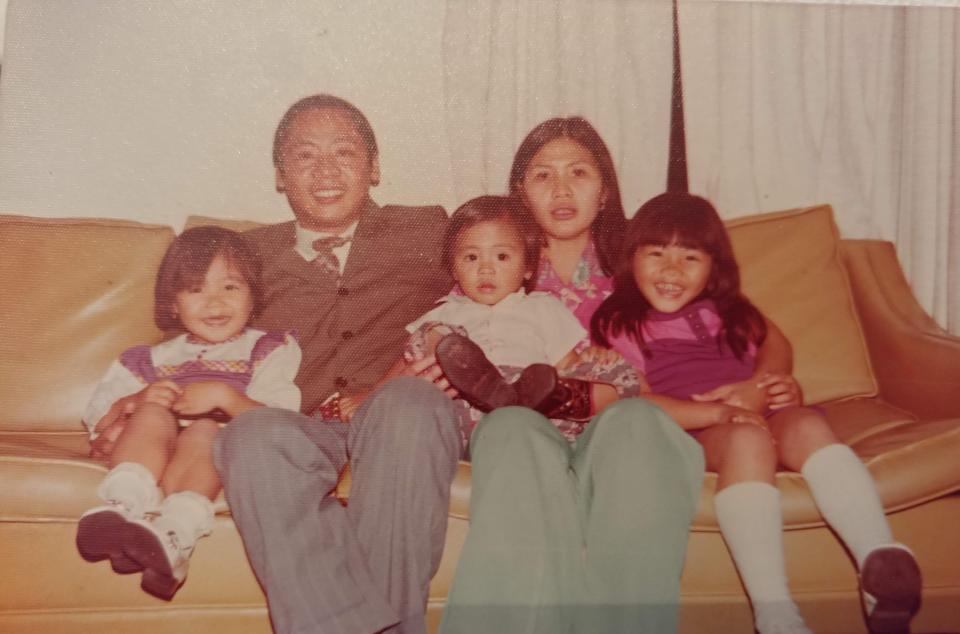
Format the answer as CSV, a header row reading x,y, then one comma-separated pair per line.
x,y
472,374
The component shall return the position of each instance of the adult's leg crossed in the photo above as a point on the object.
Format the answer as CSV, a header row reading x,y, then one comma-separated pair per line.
x,y
278,468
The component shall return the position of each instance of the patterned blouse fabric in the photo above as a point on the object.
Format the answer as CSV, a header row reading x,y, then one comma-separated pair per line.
x,y
587,289
260,364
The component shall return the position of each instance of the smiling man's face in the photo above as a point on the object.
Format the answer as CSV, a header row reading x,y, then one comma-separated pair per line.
x,y
325,170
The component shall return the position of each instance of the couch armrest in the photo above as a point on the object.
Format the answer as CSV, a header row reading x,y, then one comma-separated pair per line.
x,y
917,363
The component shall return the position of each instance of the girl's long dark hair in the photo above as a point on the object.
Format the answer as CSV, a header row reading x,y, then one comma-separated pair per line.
x,y
692,222
608,227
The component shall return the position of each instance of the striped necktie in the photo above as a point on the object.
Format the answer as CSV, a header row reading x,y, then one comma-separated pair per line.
x,y
326,260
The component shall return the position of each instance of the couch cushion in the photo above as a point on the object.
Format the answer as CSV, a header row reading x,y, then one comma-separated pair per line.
x,y
76,293
48,476
792,269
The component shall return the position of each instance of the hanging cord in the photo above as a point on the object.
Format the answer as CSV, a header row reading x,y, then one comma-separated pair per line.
x,y
677,161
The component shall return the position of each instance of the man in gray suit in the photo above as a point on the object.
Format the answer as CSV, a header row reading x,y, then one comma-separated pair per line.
x,y
346,275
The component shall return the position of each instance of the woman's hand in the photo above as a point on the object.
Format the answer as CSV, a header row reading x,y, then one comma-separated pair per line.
x,y
599,356
743,394
782,390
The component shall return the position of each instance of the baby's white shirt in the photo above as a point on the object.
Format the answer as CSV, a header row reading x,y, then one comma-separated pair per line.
x,y
518,330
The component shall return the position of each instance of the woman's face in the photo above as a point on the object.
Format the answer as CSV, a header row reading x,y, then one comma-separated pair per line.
x,y
564,189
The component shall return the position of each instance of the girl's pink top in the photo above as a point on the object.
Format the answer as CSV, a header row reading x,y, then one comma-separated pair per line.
x,y
587,289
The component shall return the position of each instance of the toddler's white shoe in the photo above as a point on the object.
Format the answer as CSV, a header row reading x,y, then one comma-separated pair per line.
x,y
156,546
100,535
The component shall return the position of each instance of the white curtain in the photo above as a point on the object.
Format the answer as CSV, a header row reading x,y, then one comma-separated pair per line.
x,y
786,105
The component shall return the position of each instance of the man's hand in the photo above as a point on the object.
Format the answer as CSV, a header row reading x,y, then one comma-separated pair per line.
x,y
427,369
111,425
743,394
350,403
782,390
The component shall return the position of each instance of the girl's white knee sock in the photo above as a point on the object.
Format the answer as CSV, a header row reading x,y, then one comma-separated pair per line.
x,y
132,485
750,519
847,498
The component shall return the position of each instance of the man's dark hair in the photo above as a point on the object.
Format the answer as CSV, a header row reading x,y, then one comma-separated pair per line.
x,y
325,102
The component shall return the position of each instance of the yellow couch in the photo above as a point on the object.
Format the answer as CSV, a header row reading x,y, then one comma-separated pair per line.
x,y
76,292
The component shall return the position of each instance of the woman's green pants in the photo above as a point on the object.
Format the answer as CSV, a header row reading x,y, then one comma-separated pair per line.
x,y
585,538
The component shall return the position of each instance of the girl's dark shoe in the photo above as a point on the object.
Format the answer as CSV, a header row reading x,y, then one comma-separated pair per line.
x,y
890,584
473,375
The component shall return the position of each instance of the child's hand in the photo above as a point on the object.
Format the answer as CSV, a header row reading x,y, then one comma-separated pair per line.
x,y
599,356
732,414
163,393
204,396
744,394
782,390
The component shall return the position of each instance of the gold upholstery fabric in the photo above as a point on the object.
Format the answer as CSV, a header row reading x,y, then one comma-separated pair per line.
x,y
808,297
74,293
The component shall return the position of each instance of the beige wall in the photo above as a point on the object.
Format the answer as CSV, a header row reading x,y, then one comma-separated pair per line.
x,y
157,110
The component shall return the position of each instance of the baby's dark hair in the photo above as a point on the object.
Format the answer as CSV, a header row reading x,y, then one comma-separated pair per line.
x,y
507,209
691,222
186,262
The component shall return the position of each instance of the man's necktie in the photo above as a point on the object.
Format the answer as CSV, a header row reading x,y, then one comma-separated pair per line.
x,y
326,260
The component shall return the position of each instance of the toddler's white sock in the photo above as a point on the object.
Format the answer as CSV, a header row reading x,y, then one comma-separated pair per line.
x,y
188,514
750,519
847,498
132,485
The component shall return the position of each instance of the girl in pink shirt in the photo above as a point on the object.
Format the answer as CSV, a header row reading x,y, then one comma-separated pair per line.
x,y
677,312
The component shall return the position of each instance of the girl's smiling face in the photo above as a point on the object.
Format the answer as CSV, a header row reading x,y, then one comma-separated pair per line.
x,y
670,276
564,189
488,261
219,307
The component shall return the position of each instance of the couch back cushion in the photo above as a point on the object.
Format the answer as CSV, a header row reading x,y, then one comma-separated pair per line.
x,y
75,293
791,269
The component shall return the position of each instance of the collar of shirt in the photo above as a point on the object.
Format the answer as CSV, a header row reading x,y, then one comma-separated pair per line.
x,y
588,269
506,302
305,238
